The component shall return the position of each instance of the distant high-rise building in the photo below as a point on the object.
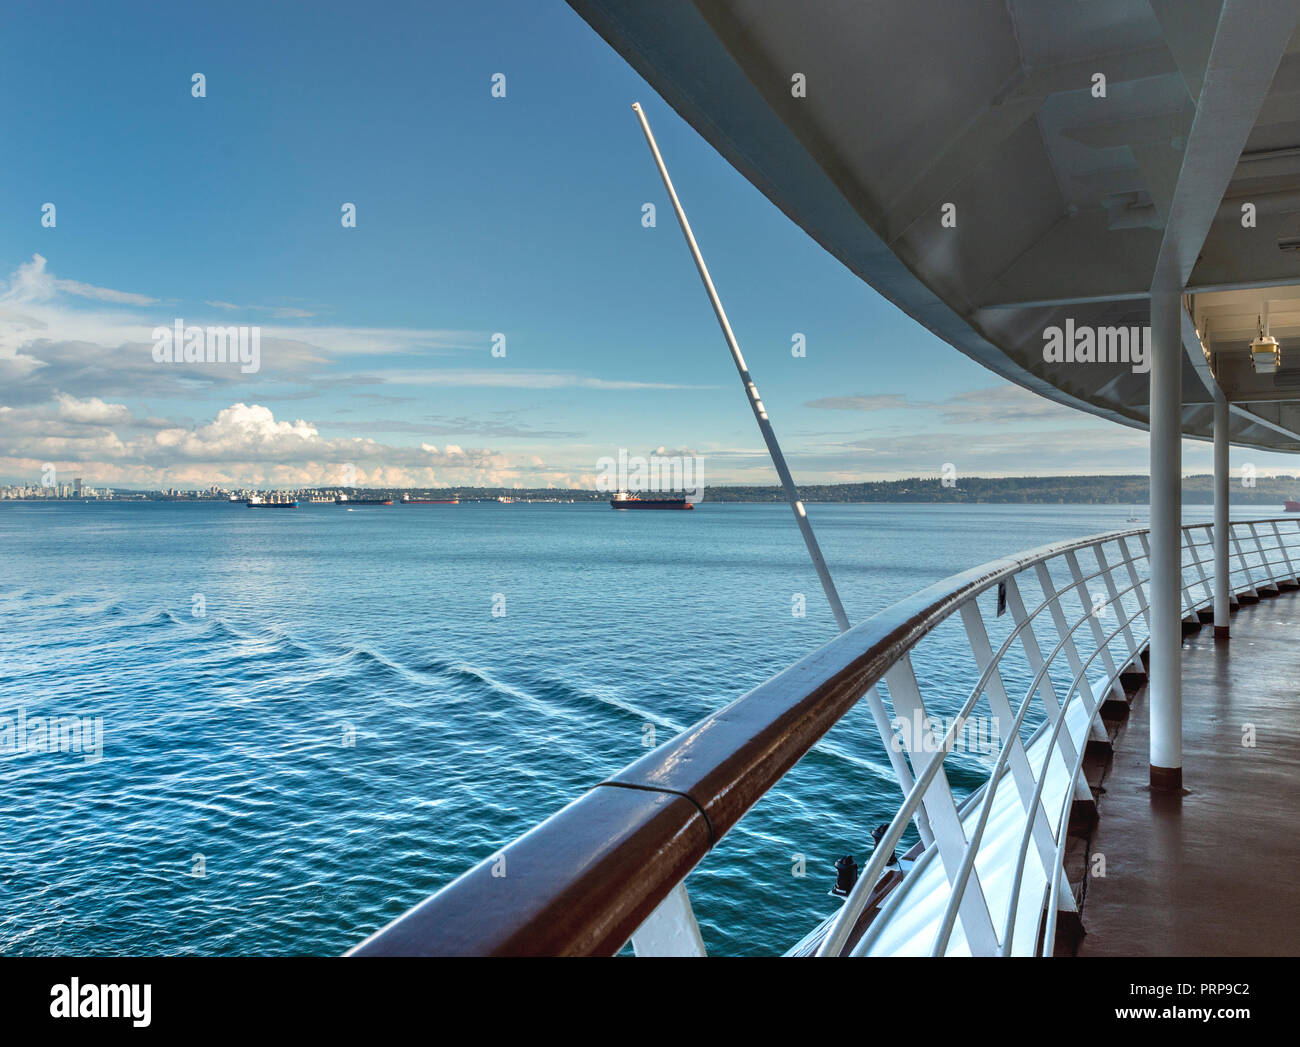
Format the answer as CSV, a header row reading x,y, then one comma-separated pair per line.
x,y
76,485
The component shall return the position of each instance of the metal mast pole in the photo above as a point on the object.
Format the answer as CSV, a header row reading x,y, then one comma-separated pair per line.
x,y
760,412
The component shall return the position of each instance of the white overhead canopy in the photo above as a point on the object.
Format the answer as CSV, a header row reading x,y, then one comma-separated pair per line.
x,y
1069,205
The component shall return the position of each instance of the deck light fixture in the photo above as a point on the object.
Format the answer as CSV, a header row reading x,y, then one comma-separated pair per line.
x,y
1265,353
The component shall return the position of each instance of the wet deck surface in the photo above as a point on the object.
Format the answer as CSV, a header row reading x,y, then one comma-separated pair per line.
x,y
1215,872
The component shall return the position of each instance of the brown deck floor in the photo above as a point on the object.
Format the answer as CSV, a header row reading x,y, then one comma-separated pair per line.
x,y
1215,872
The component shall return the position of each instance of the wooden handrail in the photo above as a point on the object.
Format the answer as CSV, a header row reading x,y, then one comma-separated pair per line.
x,y
582,881
578,884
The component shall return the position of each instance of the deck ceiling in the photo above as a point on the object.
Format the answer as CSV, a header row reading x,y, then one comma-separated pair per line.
x,y
1068,205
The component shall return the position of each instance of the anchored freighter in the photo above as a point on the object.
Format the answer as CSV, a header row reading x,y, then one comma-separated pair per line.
x,y
623,500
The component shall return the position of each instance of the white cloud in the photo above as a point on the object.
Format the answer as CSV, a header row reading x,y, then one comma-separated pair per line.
x,y
283,312
243,444
91,410
34,309
507,379
862,402
999,403
32,282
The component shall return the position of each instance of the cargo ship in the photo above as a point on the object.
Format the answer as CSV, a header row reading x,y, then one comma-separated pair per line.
x,y
343,499
453,500
1291,505
623,500
274,502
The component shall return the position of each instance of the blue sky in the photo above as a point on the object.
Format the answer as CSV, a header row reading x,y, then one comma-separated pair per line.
x,y
475,215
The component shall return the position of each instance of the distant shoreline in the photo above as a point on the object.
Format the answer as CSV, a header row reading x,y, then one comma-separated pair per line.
x,y
1131,490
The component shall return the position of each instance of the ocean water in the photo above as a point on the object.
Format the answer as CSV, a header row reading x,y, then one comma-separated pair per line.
x,y
313,719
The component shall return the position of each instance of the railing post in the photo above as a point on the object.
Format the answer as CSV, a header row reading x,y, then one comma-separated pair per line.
x,y
1017,760
1192,547
940,808
1138,583
671,929
1264,560
1098,633
1286,556
1090,697
1249,587
897,760
1113,600
1046,685
1033,653
1184,590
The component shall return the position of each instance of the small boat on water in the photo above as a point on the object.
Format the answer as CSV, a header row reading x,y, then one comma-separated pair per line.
x,y
623,500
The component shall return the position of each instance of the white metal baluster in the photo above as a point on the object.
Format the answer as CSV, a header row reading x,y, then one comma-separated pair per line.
x,y
1033,652
1249,587
1017,760
671,929
941,809
1112,594
1072,657
1189,605
1145,539
1046,685
1264,559
1286,556
1098,634
1200,567
896,759
1139,589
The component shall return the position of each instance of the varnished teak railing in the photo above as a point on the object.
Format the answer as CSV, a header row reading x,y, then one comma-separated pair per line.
x,y
608,866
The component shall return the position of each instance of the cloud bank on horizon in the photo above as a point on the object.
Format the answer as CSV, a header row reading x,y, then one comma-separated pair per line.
x,y
67,373
78,380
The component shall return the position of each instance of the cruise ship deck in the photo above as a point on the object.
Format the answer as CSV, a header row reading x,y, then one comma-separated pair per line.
x,y
1208,872
1119,175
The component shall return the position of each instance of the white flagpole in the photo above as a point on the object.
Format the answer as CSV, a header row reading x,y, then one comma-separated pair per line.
x,y
760,412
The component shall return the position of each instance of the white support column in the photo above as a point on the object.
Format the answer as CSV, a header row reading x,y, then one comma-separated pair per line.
x,y
1166,699
1222,585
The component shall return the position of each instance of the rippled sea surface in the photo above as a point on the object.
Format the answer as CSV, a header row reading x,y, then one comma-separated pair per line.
x,y
233,655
